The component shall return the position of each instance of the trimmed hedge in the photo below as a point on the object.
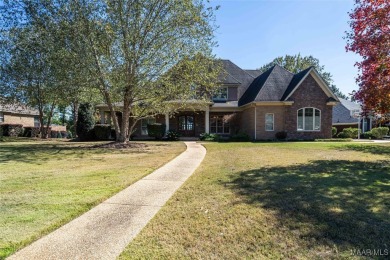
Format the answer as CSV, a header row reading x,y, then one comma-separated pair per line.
x,y
379,132
173,135
102,131
334,140
281,135
209,137
367,135
240,137
334,131
12,130
156,130
348,133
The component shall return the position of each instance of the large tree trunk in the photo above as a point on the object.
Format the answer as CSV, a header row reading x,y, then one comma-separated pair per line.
x,y
75,116
124,136
46,131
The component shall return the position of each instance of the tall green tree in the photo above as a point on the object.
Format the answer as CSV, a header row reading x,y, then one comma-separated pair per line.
x,y
29,74
138,54
297,63
37,68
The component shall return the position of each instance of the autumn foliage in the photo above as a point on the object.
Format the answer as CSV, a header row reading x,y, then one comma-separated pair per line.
x,y
370,38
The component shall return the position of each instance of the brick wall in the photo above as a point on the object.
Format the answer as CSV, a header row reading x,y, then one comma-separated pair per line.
x,y
199,118
25,120
279,120
309,94
248,122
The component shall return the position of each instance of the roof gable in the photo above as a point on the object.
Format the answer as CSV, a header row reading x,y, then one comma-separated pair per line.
x,y
254,88
300,77
275,85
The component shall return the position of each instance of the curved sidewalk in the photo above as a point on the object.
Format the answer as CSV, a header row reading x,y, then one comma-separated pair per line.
x,y
104,231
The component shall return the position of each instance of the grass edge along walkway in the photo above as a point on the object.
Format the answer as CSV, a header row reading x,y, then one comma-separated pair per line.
x,y
107,229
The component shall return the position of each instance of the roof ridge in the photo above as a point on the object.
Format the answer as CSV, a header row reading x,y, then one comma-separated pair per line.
x,y
240,69
265,82
284,69
247,91
247,73
234,77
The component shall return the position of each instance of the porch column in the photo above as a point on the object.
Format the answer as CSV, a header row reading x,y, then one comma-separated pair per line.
x,y
102,117
207,120
167,121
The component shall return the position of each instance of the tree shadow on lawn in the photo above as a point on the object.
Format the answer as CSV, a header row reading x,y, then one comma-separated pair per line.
x,y
342,203
373,149
41,153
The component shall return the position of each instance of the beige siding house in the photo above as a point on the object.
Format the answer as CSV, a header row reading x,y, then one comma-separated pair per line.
x,y
19,114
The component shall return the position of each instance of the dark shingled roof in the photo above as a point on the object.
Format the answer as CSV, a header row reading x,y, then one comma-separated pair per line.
x,y
17,108
254,88
294,82
276,85
269,86
233,73
342,112
254,73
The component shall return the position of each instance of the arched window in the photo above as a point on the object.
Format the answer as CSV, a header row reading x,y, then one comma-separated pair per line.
x,y
309,119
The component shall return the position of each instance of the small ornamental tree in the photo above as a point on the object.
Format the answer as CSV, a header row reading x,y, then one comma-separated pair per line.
x,y
85,122
370,38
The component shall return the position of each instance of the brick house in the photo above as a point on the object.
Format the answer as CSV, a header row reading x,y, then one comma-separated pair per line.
x,y
258,104
19,114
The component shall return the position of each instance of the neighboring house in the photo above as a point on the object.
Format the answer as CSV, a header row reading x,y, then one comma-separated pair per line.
x,y
343,116
258,104
19,114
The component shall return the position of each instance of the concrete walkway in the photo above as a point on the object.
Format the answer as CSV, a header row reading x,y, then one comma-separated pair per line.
x,y
104,231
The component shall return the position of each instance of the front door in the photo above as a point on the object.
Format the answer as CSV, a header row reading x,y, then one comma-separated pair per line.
x,y
187,125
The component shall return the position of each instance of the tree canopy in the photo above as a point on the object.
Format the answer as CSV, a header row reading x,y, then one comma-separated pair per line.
x,y
129,51
370,38
297,63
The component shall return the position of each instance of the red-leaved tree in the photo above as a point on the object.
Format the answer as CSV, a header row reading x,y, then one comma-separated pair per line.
x,y
370,38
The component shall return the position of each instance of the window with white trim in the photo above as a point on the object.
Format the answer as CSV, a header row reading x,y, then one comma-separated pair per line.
x,y
269,122
1,117
309,119
221,94
219,125
144,125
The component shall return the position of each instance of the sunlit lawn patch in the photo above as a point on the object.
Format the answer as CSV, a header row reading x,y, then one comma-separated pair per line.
x,y
276,200
44,184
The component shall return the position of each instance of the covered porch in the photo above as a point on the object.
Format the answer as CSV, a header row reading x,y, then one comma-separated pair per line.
x,y
189,123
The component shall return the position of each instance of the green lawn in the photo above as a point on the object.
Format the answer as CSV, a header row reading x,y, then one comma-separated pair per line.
x,y
275,200
44,184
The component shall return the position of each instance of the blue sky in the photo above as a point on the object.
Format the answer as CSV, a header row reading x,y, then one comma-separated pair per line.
x,y
253,32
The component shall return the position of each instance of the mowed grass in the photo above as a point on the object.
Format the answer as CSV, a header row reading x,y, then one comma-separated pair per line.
x,y
275,201
44,184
